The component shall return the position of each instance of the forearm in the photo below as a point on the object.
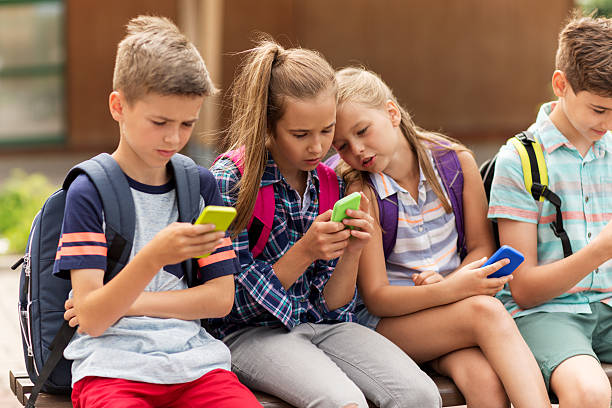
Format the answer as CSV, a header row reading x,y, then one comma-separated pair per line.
x,y
391,300
292,264
212,299
538,284
98,308
340,288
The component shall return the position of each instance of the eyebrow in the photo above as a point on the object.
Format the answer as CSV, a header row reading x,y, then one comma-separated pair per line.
x,y
165,119
308,130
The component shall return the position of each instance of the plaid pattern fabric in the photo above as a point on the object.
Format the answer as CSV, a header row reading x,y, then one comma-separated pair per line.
x,y
261,299
585,187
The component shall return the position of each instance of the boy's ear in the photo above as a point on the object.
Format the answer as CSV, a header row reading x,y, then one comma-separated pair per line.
x,y
559,83
116,105
394,112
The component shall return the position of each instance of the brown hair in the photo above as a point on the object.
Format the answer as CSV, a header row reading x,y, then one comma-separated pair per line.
x,y
156,57
269,74
585,54
358,85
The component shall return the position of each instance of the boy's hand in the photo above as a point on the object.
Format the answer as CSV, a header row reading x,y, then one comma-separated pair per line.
x,y
325,239
70,314
472,280
426,278
181,240
363,223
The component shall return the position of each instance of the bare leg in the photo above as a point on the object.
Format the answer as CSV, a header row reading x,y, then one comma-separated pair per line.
x,y
474,377
478,321
580,381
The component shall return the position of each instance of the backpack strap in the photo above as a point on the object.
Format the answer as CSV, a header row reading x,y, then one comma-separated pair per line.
x,y
388,213
535,175
187,182
59,343
260,224
119,212
449,168
329,189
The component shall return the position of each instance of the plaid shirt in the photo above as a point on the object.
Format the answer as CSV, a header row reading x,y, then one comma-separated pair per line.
x,y
261,299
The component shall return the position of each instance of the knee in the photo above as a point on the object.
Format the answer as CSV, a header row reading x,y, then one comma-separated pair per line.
x,y
345,399
584,394
484,379
421,391
487,309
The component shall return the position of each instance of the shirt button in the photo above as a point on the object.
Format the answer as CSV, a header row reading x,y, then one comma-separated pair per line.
x,y
589,235
586,199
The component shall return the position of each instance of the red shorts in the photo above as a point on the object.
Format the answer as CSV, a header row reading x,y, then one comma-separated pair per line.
x,y
218,388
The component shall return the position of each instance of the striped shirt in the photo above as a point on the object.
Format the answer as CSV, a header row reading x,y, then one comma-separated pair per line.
x,y
426,234
585,187
261,299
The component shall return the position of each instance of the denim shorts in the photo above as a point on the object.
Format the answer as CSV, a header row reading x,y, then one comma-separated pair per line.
x,y
365,318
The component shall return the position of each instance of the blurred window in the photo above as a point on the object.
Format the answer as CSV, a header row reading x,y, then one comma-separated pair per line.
x,y
32,60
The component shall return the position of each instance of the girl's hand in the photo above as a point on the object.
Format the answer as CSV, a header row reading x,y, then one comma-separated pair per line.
x,y
181,240
363,223
325,239
472,280
426,278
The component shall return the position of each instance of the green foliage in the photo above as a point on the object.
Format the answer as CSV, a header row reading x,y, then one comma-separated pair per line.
x,y
603,7
21,197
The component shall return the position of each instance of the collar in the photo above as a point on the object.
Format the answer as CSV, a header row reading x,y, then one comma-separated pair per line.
x,y
386,186
272,175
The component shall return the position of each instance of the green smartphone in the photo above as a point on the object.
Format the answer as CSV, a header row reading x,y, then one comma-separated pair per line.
x,y
350,202
220,216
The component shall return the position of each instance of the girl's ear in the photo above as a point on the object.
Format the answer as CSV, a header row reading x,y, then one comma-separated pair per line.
x,y
559,83
394,113
116,105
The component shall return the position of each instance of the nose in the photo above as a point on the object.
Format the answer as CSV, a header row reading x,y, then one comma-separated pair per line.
x,y
172,136
316,146
356,148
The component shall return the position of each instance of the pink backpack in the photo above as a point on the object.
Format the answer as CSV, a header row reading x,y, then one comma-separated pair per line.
x,y
260,224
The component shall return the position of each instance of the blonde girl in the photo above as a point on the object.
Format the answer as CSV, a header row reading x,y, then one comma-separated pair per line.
x,y
437,307
290,331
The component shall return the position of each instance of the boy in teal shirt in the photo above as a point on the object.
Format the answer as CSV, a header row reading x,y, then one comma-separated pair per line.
x,y
562,304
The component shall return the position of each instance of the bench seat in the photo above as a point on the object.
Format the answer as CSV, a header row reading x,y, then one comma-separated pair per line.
x,y
21,386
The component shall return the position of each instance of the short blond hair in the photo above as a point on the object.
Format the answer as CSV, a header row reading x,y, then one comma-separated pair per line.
x,y
156,57
585,54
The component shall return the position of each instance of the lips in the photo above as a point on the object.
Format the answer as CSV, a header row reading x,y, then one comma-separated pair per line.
x,y
599,132
368,161
166,153
313,161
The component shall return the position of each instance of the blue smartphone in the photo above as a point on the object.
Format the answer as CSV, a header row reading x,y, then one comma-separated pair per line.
x,y
515,257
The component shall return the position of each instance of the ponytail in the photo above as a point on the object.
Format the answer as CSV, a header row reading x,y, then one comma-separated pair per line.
x,y
268,75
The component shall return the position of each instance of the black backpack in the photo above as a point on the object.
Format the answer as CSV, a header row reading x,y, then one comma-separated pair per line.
x,y
45,334
535,175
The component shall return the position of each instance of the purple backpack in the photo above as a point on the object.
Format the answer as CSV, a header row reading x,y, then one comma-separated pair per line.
x,y
449,168
260,224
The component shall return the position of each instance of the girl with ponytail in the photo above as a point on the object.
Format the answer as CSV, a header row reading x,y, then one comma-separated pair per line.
x,y
428,292
291,331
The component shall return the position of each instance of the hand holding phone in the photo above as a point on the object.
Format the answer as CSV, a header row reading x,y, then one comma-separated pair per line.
x,y
515,257
220,216
350,202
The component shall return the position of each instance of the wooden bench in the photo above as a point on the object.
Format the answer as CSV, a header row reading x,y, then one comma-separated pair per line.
x,y
21,386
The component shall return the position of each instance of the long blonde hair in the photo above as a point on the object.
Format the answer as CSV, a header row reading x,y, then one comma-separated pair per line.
x,y
358,85
269,74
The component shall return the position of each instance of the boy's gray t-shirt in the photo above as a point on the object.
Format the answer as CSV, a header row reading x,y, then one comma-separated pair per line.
x,y
146,349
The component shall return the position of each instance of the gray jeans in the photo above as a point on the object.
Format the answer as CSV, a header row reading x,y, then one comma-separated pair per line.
x,y
330,365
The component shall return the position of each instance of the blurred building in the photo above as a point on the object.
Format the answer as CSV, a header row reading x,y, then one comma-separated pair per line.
x,y
474,69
